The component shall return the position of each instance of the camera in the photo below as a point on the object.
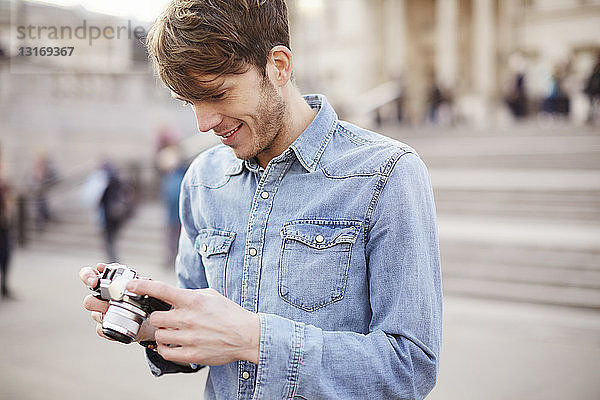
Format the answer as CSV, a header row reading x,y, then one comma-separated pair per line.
x,y
127,310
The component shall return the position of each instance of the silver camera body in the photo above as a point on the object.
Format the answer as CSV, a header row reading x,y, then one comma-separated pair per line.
x,y
127,311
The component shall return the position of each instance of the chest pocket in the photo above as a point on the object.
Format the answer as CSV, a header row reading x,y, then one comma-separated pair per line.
x,y
314,262
213,245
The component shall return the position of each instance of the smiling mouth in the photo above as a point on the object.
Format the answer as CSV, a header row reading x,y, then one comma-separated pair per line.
x,y
231,132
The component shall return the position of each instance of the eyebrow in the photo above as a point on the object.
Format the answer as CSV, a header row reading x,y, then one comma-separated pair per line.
x,y
204,90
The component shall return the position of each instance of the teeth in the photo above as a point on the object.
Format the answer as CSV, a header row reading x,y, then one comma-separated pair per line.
x,y
231,132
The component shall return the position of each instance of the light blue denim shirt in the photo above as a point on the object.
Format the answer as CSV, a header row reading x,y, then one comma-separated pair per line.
x,y
335,245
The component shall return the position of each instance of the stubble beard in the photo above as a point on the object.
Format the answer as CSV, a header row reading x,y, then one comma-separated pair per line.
x,y
271,118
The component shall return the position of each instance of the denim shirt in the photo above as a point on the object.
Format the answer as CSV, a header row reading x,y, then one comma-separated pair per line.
x,y
335,245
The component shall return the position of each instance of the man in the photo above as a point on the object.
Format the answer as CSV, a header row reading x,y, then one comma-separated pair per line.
x,y
6,217
316,239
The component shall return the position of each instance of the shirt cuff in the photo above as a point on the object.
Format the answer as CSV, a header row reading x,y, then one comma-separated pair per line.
x,y
280,356
159,366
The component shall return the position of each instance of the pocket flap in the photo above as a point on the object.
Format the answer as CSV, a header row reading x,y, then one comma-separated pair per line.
x,y
321,234
213,241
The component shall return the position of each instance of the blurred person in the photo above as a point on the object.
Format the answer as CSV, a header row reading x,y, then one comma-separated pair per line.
x,y
6,217
165,137
44,176
115,207
592,90
439,104
434,101
517,97
172,170
308,261
557,102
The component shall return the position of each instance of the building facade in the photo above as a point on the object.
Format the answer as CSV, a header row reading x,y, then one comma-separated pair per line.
x,y
470,49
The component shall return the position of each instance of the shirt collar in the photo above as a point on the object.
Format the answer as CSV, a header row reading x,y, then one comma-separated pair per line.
x,y
309,146
311,143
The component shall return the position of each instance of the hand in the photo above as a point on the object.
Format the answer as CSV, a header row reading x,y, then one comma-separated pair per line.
x,y
89,276
203,327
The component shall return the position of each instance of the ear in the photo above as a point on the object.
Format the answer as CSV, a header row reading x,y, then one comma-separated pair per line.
x,y
279,65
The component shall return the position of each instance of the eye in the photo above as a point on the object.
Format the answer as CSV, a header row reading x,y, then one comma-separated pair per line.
x,y
218,96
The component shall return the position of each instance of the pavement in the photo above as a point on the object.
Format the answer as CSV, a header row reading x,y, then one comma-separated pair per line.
x,y
49,346
492,350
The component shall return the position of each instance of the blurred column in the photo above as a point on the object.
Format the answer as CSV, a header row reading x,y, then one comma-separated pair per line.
x,y
508,14
394,15
484,52
420,53
447,43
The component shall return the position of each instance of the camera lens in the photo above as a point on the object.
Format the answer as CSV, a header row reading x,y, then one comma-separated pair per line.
x,y
122,321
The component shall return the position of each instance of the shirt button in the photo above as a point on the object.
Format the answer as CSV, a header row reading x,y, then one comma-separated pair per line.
x,y
245,375
320,239
264,195
253,252
205,247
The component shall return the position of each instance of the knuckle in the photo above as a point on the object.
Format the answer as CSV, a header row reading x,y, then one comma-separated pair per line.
x,y
163,350
159,336
197,301
154,319
188,320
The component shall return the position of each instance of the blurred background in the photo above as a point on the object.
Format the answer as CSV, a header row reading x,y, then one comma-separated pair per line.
x,y
501,98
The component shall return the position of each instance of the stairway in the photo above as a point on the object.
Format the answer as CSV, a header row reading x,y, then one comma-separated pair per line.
x,y
519,213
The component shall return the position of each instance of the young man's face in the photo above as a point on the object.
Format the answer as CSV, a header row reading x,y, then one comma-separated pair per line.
x,y
246,112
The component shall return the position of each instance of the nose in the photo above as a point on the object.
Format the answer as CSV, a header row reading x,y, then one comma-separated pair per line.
x,y
207,116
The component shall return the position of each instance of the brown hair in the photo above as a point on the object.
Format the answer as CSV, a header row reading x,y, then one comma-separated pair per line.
x,y
216,37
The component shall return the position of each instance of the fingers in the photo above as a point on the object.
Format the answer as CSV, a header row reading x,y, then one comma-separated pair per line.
x,y
101,334
174,354
160,290
97,316
172,337
92,303
89,275
161,319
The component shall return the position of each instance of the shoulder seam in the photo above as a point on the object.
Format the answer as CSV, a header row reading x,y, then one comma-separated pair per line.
x,y
381,183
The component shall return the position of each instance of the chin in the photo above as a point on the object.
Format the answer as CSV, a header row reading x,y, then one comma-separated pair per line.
x,y
243,155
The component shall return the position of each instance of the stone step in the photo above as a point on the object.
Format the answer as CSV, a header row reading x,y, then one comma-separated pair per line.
x,y
582,161
520,232
580,151
133,256
568,296
584,214
480,254
515,273
142,236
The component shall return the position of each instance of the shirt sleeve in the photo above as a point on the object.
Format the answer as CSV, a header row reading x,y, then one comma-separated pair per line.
x,y
399,356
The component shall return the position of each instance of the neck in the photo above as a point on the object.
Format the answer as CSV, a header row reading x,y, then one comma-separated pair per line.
x,y
299,112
